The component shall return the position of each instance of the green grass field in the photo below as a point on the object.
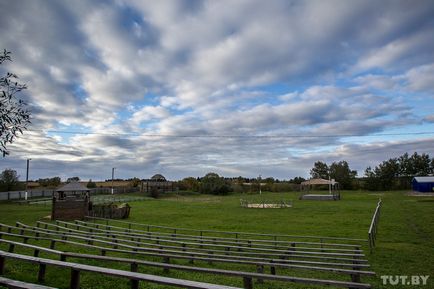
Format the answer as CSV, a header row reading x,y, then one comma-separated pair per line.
x,y
405,244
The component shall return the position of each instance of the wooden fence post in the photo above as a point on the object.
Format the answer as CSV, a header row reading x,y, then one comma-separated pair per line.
x,y
41,272
248,282
134,282
75,279
2,265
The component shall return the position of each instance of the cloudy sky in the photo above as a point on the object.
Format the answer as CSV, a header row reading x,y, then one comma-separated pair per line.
x,y
235,87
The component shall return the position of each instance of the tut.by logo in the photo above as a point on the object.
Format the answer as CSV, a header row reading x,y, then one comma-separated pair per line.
x,y
404,279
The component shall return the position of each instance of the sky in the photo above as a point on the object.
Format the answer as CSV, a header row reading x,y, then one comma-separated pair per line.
x,y
240,88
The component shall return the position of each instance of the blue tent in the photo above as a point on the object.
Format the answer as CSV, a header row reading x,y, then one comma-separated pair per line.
x,y
423,184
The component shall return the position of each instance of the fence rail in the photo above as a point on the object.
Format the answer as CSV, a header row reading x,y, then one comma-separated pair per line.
x,y
372,233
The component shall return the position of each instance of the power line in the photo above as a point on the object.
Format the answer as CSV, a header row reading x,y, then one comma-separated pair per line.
x,y
239,136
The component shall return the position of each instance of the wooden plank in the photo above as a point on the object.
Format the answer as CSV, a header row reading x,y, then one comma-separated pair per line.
x,y
15,284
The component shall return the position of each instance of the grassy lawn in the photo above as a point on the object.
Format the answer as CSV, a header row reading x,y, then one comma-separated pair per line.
x,y
405,244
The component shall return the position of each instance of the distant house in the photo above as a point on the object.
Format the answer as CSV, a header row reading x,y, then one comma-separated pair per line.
x,y
423,184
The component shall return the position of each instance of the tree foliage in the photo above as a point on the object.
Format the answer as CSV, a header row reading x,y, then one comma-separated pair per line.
x,y
91,184
50,182
396,173
9,179
320,170
73,179
189,184
340,171
212,183
14,116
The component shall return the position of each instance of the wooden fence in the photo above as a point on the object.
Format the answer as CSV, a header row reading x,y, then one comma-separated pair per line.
x,y
373,228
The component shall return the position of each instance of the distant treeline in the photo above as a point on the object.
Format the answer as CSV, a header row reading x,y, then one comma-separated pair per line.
x,y
393,174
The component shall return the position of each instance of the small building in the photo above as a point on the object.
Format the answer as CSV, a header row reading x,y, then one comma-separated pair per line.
x,y
157,182
70,202
423,184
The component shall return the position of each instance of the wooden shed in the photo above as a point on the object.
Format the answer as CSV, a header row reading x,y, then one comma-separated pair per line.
x,y
157,182
70,202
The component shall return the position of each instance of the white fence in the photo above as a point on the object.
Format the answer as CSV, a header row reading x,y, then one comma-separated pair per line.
x,y
20,195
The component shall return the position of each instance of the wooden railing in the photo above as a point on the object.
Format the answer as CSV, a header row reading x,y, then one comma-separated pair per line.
x,y
373,228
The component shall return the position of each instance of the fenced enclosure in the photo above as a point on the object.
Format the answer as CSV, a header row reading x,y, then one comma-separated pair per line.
x,y
372,232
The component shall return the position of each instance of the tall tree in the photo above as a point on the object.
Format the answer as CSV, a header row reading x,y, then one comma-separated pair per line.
x,y
320,170
9,179
341,172
14,116
212,183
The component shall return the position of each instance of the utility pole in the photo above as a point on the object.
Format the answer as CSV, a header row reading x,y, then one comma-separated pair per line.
x,y
113,175
330,185
27,179
260,191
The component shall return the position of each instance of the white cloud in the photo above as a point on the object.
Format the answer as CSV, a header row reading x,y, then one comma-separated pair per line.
x,y
216,68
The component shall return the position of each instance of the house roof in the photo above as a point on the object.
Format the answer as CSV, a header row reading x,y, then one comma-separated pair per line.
x,y
318,182
158,177
424,179
73,187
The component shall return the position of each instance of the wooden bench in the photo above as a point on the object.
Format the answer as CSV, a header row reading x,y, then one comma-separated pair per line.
x,y
116,243
239,245
15,284
230,233
225,240
77,268
226,249
247,276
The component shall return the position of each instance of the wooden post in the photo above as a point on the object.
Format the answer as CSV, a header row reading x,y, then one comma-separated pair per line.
x,y
41,272
75,279
247,282
260,270
2,265
11,248
166,260
36,253
355,277
134,282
